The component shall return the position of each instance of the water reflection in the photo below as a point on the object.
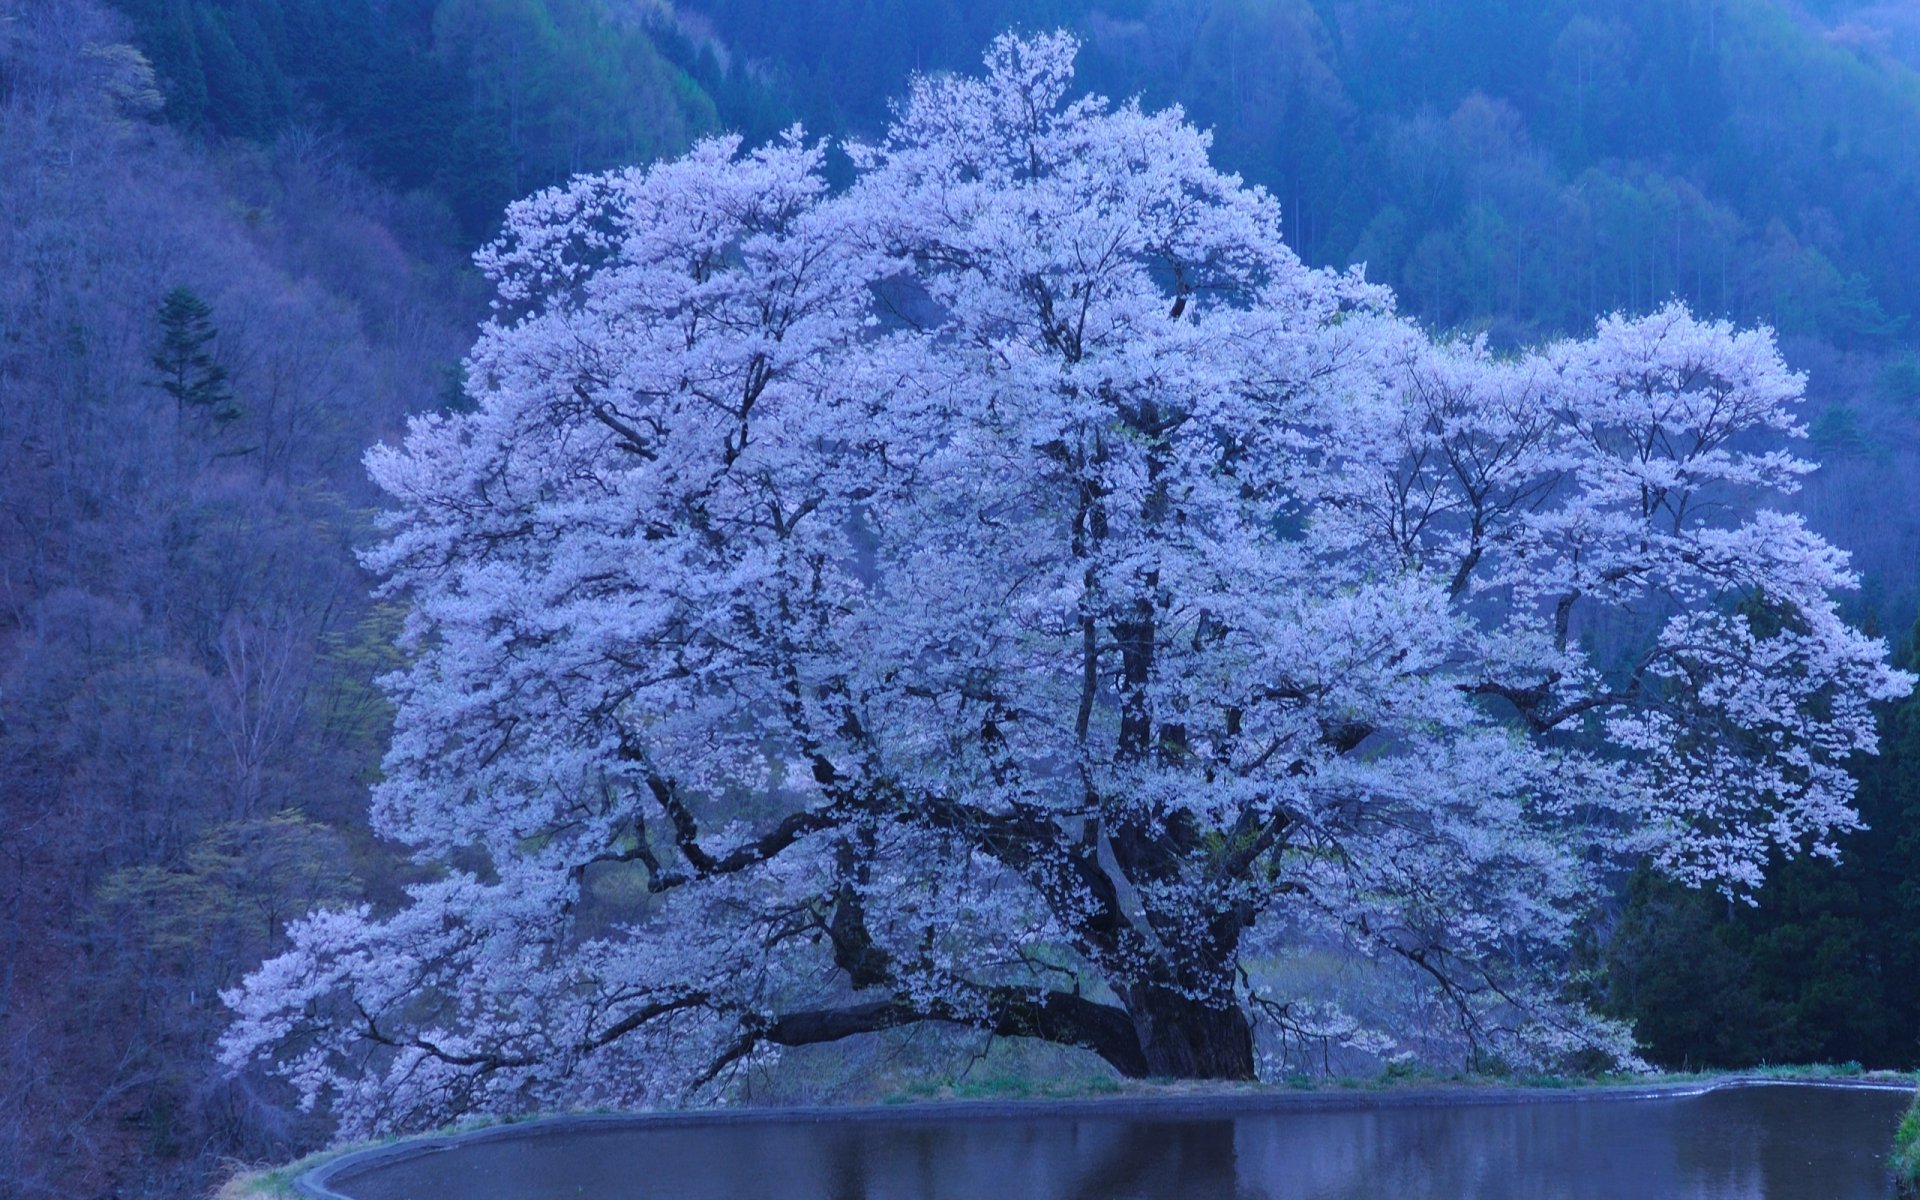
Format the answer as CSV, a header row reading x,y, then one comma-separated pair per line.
x,y
1767,1143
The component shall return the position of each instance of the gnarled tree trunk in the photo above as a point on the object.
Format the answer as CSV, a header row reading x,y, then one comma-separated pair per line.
x,y
1184,1038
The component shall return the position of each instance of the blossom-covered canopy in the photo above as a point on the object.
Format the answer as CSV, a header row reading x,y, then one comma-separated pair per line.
x,y
1014,592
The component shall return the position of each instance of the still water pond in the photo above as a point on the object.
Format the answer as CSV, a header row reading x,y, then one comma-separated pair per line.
x,y
1743,1143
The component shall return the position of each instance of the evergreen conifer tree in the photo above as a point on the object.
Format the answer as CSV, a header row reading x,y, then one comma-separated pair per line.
x,y
187,370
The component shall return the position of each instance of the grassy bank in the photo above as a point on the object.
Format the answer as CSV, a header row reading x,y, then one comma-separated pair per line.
x,y
1905,1161
257,1182
1015,1085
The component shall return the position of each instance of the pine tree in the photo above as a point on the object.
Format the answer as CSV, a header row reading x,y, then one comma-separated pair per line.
x,y
188,371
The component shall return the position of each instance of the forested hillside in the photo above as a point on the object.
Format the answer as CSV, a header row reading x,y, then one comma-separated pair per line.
x,y
197,342
476,101
233,255
1525,166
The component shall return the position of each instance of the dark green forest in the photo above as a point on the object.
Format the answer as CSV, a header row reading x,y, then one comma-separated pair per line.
x,y
233,256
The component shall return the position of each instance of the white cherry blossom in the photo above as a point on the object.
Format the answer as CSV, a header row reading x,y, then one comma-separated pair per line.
x,y
1013,591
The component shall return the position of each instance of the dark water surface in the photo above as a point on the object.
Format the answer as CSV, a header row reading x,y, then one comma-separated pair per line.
x,y
1743,1143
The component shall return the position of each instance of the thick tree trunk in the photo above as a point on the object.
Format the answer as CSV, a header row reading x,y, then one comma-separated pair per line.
x,y
1063,1018
1183,1038
1160,1033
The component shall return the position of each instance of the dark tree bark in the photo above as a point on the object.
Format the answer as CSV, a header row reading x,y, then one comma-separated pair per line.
x,y
1184,1038
1161,1033
1059,1017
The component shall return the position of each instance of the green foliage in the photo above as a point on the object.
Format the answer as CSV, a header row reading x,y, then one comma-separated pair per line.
x,y
1905,1160
187,369
125,79
165,940
478,101
1515,168
1710,983
1671,969
1508,168
1899,381
238,886
349,704
1836,432
1824,967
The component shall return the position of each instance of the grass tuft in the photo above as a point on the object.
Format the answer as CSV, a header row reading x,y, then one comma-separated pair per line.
x,y
1905,1161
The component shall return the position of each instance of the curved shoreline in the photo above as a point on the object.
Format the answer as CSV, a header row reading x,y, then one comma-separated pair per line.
x,y
314,1182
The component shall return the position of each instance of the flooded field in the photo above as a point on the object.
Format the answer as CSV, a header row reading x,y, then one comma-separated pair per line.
x,y
1779,1142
